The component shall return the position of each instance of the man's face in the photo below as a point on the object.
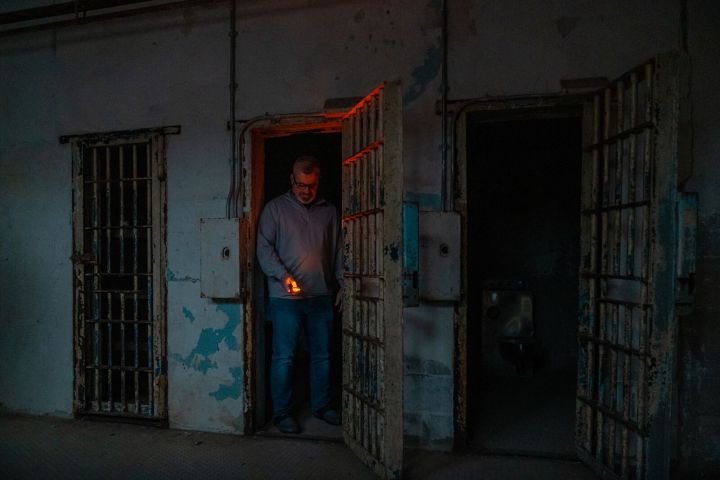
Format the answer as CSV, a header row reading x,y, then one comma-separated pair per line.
x,y
305,186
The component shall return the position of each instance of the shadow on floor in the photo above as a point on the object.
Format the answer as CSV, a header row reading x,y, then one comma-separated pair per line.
x,y
53,448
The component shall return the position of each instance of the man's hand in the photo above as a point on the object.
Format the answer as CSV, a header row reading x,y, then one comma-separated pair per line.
x,y
339,299
291,285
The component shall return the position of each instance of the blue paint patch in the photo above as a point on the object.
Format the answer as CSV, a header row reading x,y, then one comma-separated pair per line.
x,y
188,314
229,391
171,277
424,74
426,201
232,312
209,341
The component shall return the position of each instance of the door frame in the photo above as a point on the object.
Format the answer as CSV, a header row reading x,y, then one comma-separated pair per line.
x,y
252,150
497,109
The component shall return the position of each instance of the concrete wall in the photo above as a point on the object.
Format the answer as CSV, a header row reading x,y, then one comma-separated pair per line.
x,y
172,68
699,354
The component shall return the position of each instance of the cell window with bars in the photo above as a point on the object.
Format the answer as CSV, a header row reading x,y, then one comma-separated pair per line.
x,y
117,285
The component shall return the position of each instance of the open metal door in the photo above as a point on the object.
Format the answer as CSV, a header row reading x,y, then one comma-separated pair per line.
x,y
626,335
372,318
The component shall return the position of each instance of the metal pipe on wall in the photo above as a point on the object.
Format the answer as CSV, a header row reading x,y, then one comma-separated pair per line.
x,y
67,8
81,17
236,175
446,192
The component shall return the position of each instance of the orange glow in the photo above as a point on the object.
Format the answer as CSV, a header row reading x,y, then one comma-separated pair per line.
x,y
293,288
373,146
368,98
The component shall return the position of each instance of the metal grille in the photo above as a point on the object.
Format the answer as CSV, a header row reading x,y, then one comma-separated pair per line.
x,y
372,332
117,355
619,282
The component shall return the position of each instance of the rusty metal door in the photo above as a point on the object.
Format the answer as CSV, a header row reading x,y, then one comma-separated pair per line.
x,y
119,280
626,335
372,318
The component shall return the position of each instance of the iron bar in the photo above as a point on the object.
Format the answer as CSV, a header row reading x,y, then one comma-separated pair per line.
x,y
136,293
108,209
364,400
618,187
119,368
624,302
117,180
362,336
115,227
608,412
610,276
119,322
640,128
632,172
354,216
94,405
109,356
609,344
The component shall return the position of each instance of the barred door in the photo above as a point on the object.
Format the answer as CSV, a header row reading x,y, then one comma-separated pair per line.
x,y
372,319
626,335
119,276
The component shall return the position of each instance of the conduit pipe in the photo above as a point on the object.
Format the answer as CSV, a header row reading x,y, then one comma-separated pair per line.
x,y
445,193
80,11
231,207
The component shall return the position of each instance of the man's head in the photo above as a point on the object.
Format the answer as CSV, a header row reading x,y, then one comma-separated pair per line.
x,y
305,179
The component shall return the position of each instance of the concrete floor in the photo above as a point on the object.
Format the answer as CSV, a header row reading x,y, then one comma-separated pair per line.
x,y
534,415
53,448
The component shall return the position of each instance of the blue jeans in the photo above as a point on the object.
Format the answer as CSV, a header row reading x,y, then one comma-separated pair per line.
x,y
287,317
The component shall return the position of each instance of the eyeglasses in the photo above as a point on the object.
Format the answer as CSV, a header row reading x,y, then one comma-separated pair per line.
x,y
303,186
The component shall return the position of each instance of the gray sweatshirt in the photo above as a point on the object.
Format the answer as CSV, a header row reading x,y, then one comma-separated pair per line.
x,y
303,242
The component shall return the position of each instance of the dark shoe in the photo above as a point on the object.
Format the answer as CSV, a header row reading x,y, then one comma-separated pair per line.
x,y
329,415
287,424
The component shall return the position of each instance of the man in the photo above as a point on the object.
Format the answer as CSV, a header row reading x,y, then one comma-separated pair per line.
x,y
299,247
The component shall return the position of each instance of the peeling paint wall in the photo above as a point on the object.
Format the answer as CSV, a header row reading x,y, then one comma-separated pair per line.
x,y
172,68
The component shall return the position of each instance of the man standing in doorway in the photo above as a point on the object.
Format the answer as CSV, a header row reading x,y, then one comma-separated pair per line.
x,y
299,247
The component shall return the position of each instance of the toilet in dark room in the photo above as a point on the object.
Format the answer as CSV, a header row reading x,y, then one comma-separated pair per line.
x,y
508,331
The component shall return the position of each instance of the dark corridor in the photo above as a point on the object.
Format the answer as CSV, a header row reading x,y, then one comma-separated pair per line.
x,y
524,236
280,153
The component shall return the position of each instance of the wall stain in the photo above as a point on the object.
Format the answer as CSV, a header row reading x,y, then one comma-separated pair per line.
x,y
188,314
424,74
229,391
208,343
171,277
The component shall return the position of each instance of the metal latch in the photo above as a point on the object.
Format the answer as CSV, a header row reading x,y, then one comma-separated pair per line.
x,y
83,258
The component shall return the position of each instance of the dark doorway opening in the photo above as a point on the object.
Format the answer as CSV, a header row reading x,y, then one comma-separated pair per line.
x,y
279,154
523,256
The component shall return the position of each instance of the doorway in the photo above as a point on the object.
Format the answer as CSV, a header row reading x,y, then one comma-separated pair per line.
x,y
523,237
280,149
